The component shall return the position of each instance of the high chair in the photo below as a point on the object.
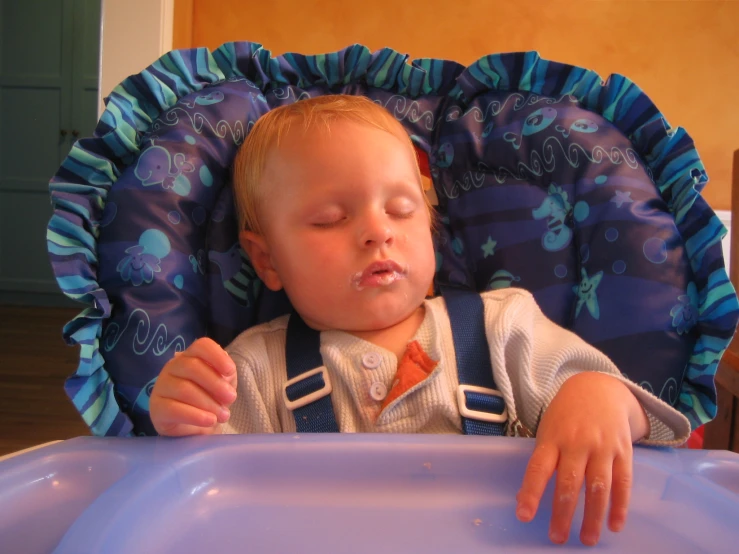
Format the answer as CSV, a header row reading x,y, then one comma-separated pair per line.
x,y
545,177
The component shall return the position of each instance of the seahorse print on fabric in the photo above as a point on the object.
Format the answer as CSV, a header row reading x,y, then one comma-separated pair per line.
x,y
555,208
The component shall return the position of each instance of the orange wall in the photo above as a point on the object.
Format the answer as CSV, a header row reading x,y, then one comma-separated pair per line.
x,y
684,54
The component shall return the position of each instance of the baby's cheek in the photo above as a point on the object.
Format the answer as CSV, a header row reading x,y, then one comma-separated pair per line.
x,y
424,245
325,256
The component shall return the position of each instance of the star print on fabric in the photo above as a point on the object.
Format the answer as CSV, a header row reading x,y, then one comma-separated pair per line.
x,y
489,247
586,294
622,198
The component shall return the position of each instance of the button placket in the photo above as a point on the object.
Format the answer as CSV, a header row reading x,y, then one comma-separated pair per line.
x,y
378,391
371,360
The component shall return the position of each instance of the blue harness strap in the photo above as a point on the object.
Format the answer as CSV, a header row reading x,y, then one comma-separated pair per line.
x,y
307,392
481,405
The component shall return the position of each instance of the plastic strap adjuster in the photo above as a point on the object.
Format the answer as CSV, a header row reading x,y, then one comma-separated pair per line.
x,y
309,380
479,415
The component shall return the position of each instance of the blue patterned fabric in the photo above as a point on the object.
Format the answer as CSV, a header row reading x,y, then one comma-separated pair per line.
x,y
547,177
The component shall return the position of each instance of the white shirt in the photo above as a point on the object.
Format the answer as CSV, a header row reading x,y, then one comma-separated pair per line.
x,y
531,357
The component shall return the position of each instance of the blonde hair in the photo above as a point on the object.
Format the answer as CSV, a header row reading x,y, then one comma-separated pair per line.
x,y
269,129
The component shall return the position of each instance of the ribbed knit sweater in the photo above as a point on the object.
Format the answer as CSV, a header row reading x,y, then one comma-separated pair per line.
x,y
531,357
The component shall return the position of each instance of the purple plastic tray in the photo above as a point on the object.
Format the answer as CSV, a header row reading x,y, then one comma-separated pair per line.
x,y
337,493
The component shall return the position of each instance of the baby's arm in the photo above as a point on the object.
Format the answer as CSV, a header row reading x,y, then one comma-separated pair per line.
x,y
192,394
586,435
532,358
584,412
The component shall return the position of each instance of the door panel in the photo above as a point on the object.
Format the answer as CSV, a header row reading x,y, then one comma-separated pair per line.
x,y
86,66
48,89
30,120
23,216
31,36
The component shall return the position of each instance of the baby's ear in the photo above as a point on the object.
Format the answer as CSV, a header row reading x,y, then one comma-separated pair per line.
x,y
258,251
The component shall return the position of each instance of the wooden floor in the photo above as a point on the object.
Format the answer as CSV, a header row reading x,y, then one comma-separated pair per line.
x,y
34,362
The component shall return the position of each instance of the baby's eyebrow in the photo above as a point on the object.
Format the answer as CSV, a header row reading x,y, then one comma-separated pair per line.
x,y
326,209
405,182
321,207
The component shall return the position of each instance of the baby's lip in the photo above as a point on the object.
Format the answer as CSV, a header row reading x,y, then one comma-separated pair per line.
x,y
385,266
379,274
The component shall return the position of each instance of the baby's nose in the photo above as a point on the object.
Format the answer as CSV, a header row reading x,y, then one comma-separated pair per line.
x,y
377,232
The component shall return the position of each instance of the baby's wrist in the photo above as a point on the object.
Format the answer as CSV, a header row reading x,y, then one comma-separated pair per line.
x,y
638,420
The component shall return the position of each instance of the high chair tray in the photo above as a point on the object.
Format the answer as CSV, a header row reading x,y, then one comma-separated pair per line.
x,y
337,493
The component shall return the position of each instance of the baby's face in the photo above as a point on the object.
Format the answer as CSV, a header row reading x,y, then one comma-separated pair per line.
x,y
347,227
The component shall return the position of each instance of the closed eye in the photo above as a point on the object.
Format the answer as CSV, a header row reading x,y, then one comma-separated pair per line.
x,y
402,215
401,207
328,224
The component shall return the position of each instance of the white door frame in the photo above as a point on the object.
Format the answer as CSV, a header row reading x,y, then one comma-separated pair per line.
x,y
133,34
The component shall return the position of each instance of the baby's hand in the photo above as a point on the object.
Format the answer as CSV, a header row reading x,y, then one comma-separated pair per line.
x,y
585,434
193,391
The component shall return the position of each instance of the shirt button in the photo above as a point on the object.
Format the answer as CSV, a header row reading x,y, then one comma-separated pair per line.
x,y
378,391
371,360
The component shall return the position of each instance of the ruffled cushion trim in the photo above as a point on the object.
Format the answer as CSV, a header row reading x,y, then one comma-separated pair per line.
x,y
79,189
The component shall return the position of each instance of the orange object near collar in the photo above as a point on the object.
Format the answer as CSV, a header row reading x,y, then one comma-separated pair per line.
x,y
413,368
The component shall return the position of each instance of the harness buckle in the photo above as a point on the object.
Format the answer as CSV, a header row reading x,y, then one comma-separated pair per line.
x,y
306,399
479,415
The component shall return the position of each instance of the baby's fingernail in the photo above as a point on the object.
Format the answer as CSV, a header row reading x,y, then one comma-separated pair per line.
x,y
556,537
230,393
224,414
231,362
523,513
589,540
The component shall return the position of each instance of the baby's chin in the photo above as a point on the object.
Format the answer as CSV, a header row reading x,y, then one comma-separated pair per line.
x,y
380,322
362,321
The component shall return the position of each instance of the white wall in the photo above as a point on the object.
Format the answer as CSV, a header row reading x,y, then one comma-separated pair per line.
x,y
725,217
133,34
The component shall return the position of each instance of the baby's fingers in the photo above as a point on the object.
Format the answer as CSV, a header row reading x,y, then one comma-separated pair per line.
x,y
621,493
538,472
191,369
178,419
597,491
188,392
570,473
213,355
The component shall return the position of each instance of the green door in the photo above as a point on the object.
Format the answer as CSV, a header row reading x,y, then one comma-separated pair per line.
x,y
49,53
